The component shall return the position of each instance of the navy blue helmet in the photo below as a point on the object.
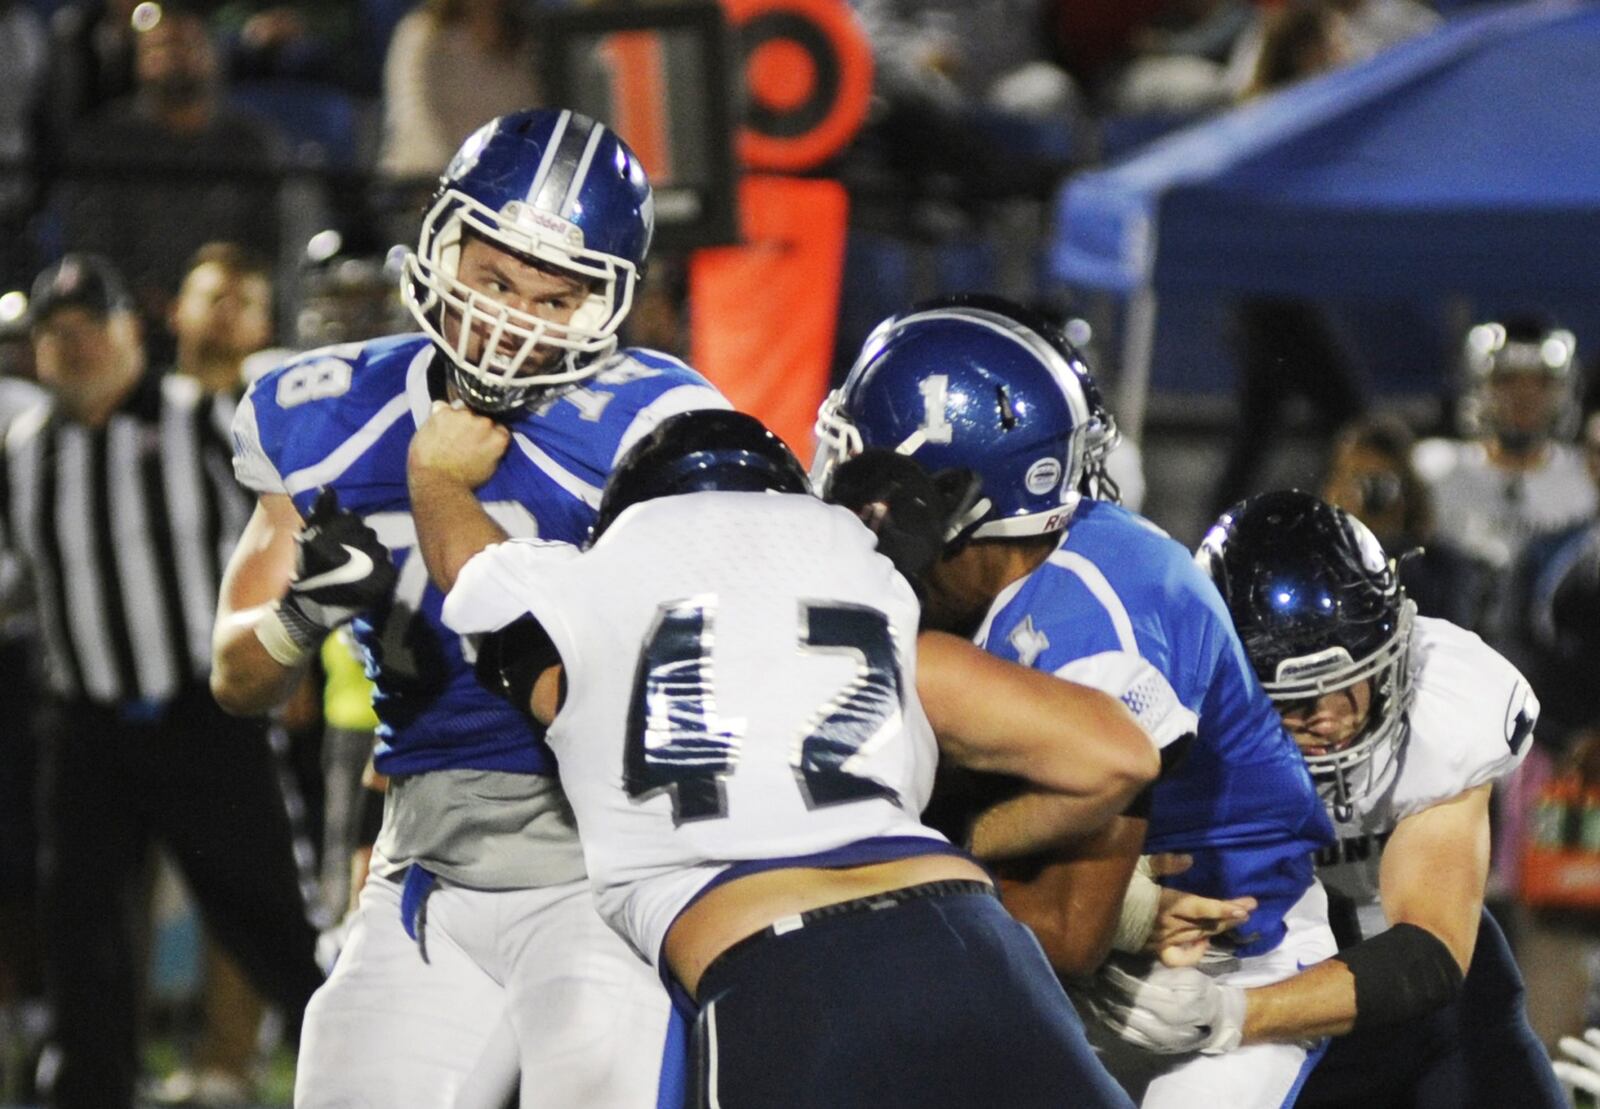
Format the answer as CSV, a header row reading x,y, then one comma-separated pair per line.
x,y
1319,607
707,450
967,384
555,188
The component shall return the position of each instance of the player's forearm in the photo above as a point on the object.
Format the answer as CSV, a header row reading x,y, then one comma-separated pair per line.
x,y
452,526
1033,823
1072,902
245,679
1320,1001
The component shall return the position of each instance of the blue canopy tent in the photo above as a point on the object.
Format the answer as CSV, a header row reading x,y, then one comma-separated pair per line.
x,y
1466,162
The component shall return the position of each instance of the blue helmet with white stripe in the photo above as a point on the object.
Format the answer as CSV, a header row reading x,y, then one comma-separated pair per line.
x,y
968,384
558,190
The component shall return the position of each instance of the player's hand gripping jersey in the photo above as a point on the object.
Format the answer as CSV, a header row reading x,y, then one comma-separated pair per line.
x,y
1470,721
684,749
1122,607
344,417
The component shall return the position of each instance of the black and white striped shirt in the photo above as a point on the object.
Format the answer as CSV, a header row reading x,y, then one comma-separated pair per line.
x,y
123,531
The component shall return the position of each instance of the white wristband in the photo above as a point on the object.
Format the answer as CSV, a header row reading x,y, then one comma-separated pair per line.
x,y
1140,907
277,641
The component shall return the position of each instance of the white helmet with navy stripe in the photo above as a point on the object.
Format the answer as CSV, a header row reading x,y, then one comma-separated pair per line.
x,y
558,189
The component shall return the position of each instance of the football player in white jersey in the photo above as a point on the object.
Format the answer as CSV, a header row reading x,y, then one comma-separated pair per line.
x,y
744,717
1516,477
476,949
1405,723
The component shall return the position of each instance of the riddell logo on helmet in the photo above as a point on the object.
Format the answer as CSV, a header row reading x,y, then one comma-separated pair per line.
x,y
524,215
1043,476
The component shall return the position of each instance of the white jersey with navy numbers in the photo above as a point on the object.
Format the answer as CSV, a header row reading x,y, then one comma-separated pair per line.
x,y
1122,607
1471,721
740,689
344,416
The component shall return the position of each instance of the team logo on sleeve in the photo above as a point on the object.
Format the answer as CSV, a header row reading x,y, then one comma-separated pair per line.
x,y
1522,712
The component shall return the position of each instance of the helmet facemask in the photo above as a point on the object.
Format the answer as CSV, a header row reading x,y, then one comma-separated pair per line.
x,y
499,378
1493,353
1364,764
838,441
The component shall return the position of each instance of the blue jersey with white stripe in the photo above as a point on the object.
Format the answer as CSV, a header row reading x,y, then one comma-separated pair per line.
x,y
344,417
1122,607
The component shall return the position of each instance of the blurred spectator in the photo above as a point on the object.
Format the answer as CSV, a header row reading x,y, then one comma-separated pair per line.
x,y
1302,39
1371,477
22,1011
1559,947
951,52
452,65
1565,619
1287,348
92,55
222,314
1363,28
23,62
1371,26
1181,64
965,90
346,290
134,750
156,176
1093,38
301,40
1512,481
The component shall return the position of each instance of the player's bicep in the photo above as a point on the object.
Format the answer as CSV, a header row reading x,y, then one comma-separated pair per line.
x,y
1434,869
262,563
1000,717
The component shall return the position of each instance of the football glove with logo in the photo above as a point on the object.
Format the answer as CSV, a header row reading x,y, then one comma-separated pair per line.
x,y
340,569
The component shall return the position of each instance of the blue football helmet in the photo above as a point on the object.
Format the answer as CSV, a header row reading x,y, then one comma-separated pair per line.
x,y
707,450
1319,607
966,384
555,188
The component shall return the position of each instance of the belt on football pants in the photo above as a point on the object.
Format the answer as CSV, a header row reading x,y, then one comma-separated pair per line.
x,y
875,902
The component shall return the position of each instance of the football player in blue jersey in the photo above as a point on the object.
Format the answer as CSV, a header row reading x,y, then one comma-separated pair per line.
x,y
1405,723
1063,581
476,927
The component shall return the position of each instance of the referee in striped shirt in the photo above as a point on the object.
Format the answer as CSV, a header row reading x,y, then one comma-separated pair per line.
x,y
117,497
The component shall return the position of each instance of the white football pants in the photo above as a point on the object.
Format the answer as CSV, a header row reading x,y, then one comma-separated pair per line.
x,y
527,979
1260,1076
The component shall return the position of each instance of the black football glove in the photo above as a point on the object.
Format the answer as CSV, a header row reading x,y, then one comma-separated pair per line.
x,y
918,517
340,569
